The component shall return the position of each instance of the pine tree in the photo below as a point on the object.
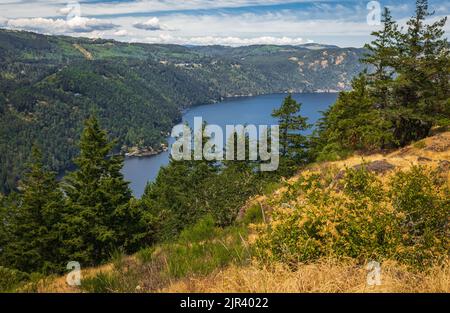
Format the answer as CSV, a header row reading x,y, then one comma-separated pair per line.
x,y
167,199
404,95
33,221
382,53
98,197
352,123
177,197
421,89
293,143
412,78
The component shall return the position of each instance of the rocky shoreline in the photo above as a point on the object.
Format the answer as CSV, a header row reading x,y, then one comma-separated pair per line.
x,y
145,152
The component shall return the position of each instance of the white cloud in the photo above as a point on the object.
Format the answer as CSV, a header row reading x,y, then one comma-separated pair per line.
x,y
65,10
3,21
121,33
58,26
72,9
151,24
324,21
226,41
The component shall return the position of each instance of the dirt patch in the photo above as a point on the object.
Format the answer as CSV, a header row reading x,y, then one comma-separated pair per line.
x,y
86,53
378,167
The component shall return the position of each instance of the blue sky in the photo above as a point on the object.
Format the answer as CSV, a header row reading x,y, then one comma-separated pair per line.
x,y
227,22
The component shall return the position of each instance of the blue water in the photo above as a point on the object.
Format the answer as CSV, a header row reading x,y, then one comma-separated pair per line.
x,y
247,110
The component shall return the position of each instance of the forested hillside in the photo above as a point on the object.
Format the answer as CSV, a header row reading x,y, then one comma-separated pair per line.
x,y
50,84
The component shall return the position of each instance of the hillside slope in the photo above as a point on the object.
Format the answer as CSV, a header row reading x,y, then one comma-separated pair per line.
x,y
50,84
345,275
209,259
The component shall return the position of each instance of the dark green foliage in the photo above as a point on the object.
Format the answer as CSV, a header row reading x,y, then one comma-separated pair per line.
x,y
32,221
401,99
425,205
253,214
45,228
352,122
228,191
291,123
293,144
381,55
98,198
185,191
175,195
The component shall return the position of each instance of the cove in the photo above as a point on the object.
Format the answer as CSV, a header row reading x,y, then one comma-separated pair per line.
x,y
244,110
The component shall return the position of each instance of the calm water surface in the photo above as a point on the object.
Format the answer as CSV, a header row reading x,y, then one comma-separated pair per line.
x,y
248,110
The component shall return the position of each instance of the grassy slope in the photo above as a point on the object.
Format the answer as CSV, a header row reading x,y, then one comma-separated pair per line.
x,y
208,259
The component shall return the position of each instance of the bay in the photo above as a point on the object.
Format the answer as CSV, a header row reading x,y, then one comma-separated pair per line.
x,y
243,110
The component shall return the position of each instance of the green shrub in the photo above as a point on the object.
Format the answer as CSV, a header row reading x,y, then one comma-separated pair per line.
x,y
145,255
359,182
424,203
203,248
100,283
254,214
270,186
11,279
405,220
202,230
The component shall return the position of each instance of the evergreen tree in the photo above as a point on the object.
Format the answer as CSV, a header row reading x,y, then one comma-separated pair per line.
x,y
33,222
293,143
406,93
99,220
176,198
421,89
237,180
352,123
382,53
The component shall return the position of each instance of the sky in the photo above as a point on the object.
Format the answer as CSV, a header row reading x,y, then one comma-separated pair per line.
x,y
346,23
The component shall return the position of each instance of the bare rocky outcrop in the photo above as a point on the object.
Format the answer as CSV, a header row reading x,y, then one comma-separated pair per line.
x,y
378,167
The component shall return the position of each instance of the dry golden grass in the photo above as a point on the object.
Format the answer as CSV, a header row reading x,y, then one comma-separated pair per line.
x,y
432,152
428,151
59,284
320,277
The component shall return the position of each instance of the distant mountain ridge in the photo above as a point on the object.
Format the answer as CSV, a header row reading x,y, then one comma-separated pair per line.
x,y
50,84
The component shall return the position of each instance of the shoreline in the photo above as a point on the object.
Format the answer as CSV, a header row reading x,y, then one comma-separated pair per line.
x,y
279,92
144,153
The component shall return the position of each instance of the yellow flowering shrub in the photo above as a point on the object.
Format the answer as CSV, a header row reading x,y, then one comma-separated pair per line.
x,y
359,216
